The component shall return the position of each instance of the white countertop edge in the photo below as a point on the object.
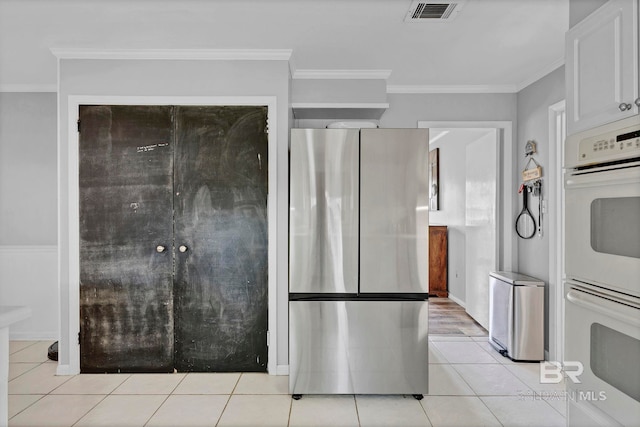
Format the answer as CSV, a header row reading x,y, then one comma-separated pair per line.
x,y
11,314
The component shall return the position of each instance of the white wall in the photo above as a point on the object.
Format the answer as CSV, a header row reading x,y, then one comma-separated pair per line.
x,y
28,199
452,201
533,124
28,277
580,9
405,110
28,211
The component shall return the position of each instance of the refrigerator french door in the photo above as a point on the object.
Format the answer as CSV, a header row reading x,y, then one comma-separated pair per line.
x,y
358,263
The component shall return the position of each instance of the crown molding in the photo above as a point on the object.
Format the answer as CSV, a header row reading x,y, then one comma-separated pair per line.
x,y
175,54
28,88
540,73
341,74
408,89
508,88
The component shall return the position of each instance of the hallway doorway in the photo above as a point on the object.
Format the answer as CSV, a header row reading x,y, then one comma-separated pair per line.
x,y
463,206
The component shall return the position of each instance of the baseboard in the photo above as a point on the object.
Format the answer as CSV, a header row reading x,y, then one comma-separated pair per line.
x,y
457,301
282,370
33,336
65,370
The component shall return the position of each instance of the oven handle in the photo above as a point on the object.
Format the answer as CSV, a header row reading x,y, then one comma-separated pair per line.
x,y
623,310
610,177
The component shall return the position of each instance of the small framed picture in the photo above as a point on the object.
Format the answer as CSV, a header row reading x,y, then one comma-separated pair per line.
x,y
433,179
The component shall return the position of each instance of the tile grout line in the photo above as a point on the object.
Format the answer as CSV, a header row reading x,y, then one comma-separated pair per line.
x,y
290,411
425,409
157,409
355,404
541,391
104,397
24,363
90,409
43,395
228,399
24,348
490,411
476,395
165,399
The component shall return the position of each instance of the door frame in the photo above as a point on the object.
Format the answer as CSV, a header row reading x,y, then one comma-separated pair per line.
x,y
557,133
74,102
506,244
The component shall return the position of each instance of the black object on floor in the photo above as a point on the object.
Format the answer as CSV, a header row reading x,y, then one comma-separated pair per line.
x,y
52,353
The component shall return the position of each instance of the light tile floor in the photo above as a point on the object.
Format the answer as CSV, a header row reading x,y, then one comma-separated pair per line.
x,y
470,385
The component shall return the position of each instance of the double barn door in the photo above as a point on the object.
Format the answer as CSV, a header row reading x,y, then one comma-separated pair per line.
x,y
173,238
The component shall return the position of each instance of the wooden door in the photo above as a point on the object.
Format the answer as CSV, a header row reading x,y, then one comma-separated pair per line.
x,y
126,298
221,223
438,261
152,180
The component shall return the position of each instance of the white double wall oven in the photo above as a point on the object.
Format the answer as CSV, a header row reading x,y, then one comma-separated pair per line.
x,y
602,269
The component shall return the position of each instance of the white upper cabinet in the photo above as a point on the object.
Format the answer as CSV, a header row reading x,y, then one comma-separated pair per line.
x,y
602,66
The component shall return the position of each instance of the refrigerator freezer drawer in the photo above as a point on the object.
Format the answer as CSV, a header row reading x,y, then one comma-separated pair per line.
x,y
358,347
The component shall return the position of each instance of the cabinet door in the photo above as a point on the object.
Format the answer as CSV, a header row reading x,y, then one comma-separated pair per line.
x,y
602,66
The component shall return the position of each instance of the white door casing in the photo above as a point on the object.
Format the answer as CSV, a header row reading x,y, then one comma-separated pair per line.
x,y
480,224
70,318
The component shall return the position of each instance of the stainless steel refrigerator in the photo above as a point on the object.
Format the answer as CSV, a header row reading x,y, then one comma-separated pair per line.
x,y
358,261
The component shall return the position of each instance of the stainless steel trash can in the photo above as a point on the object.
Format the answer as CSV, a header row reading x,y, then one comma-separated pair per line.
x,y
516,315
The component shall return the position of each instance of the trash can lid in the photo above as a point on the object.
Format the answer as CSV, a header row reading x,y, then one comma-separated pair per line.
x,y
516,278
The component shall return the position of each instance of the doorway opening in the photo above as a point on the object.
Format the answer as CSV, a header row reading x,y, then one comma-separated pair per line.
x,y
473,207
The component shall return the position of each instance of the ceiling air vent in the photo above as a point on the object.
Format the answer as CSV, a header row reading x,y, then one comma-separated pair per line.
x,y
433,11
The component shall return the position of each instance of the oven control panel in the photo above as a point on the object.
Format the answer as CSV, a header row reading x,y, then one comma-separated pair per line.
x,y
610,146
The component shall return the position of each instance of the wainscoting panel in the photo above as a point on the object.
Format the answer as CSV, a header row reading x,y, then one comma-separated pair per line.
x,y
29,277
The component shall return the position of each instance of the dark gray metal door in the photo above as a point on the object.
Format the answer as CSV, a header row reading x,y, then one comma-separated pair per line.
x,y
126,284
220,204
173,280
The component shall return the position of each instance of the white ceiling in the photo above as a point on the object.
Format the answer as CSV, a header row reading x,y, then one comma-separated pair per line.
x,y
492,45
